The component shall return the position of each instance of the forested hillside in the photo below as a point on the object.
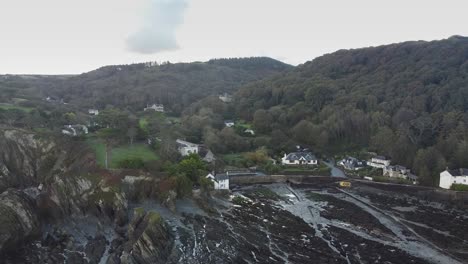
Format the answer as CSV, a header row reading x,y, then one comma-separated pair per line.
x,y
408,101
174,85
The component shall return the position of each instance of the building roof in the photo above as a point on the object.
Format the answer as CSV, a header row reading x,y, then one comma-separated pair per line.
x,y
219,177
183,143
301,155
459,172
396,167
222,177
380,157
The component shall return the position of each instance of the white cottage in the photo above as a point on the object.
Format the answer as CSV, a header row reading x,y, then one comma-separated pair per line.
x,y
396,171
299,158
186,148
229,123
249,131
379,162
75,130
221,181
225,98
449,177
155,107
94,112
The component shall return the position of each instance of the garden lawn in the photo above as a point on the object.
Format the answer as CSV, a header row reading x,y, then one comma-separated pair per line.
x,y
119,153
141,151
5,106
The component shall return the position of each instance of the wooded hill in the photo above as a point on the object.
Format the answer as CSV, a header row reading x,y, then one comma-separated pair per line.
x,y
408,101
174,85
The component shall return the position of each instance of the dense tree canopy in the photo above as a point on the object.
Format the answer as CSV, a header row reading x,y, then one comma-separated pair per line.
x,y
408,101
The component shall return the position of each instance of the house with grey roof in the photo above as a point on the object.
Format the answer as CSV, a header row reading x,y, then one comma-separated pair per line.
x,y
186,148
449,177
75,130
155,107
220,181
299,158
396,171
351,163
379,162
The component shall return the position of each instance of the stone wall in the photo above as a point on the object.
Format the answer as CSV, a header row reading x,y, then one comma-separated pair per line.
x,y
265,179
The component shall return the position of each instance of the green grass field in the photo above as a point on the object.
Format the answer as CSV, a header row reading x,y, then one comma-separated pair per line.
x,y
120,153
6,106
243,124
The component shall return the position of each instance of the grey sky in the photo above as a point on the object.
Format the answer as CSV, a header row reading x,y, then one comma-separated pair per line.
x,y
71,36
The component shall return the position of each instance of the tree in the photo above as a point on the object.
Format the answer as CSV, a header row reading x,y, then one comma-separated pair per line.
x,y
383,141
206,185
428,163
110,138
317,96
262,121
131,133
183,185
168,147
70,118
192,166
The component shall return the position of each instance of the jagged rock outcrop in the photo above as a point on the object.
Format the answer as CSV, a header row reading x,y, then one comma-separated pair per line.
x,y
148,241
18,219
23,157
49,181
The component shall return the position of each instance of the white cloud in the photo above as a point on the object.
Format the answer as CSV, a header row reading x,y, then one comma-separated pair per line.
x,y
158,32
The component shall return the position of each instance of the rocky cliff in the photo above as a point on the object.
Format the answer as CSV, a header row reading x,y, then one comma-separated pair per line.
x,y
45,181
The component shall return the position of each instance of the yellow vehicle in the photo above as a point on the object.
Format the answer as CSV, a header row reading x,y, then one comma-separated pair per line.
x,y
345,184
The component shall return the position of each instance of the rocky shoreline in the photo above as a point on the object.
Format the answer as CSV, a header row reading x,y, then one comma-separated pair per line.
x,y
67,216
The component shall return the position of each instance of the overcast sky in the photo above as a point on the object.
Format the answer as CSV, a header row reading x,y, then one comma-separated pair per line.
x,y
75,36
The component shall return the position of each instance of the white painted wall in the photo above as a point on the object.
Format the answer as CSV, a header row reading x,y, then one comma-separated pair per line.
x,y
285,161
446,180
185,151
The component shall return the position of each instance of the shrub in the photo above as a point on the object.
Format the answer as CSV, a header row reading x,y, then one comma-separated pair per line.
x,y
133,163
239,200
459,187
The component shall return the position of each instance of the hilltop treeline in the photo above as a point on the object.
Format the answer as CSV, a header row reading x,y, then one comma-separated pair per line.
x,y
174,85
408,101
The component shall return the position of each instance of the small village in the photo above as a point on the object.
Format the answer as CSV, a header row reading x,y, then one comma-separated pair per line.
x,y
302,161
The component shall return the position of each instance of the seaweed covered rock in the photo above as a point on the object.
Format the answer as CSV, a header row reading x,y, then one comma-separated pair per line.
x,y
18,219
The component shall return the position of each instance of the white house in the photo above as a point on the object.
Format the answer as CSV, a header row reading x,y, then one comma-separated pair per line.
x,y
74,130
449,177
225,98
379,162
249,131
186,148
221,181
396,171
299,158
351,163
155,107
93,112
229,123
